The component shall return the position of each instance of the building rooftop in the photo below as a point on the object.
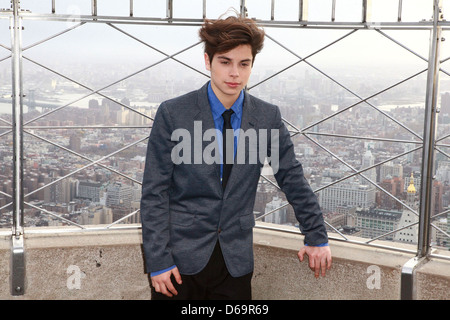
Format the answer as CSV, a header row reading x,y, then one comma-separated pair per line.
x,y
79,88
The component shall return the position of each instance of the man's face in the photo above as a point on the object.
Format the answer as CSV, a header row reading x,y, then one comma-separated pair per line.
x,y
230,72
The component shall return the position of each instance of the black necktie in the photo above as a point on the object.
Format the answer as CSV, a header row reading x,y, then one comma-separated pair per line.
x,y
226,166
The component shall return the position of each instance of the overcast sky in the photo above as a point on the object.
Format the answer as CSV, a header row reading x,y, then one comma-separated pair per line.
x,y
368,48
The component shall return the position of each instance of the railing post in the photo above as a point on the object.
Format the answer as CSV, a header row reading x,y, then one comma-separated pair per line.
x,y
169,10
366,11
243,8
17,251
432,92
17,266
94,8
303,10
408,290
400,9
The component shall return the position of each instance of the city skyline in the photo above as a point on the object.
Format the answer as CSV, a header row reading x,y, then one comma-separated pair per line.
x,y
98,142
330,81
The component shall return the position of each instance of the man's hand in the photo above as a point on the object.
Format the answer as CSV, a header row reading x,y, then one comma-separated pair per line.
x,y
163,284
319,258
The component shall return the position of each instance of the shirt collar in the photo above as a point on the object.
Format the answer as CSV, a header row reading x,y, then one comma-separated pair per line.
x,y
217,107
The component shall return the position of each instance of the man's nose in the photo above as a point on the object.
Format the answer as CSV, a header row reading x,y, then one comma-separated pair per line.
x,y
234,72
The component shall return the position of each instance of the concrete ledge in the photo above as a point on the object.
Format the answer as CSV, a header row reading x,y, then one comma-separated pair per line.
x,y
89,265
433,280
358,272
109,265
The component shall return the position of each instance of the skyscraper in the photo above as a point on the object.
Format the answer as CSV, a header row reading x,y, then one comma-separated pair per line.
x,y
119,194
347,193
279,216
408,220
368,160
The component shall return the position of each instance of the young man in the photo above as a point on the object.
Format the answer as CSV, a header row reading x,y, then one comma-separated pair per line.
x,y
197,214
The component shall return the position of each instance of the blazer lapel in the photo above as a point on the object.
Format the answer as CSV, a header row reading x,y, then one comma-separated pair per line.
x,y
204,115
203,109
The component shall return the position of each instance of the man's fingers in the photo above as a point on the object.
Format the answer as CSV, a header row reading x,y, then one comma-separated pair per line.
x,y
165,288
163,282
312,263
161,288
319,259
156,286
301,254
171,289
323,266
316,266
165,292
177,275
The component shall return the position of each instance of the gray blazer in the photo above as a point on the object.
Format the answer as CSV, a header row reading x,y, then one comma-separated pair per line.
x,y
184,210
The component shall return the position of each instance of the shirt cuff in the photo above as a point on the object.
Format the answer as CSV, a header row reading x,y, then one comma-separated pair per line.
x,y
152,274
319,245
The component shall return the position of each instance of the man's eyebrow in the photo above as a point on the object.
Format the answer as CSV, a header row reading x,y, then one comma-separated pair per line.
x,y
229,59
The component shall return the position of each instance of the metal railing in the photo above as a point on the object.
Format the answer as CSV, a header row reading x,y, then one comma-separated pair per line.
x,y
18,127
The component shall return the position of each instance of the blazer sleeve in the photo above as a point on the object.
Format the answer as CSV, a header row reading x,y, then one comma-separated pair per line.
x,y
288,172
156,185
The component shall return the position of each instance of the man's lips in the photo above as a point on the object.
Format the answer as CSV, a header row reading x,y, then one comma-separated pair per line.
x,y
232,84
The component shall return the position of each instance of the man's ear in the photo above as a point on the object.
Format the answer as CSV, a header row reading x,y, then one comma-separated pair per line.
x,y
207,62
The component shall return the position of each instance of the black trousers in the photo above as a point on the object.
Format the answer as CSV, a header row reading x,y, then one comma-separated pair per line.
x,y
212,283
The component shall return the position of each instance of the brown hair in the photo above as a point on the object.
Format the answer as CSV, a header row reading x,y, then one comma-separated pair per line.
x,y
223,35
